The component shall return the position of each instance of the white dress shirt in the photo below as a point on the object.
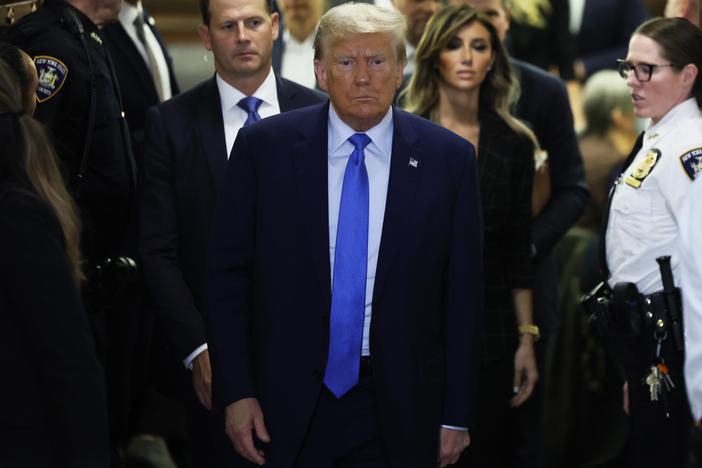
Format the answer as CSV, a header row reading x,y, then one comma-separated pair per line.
x,y
127,15
298,60
234,116
377,157
691,286
643,222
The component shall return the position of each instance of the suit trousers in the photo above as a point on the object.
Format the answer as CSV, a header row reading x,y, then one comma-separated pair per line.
x,y
345,432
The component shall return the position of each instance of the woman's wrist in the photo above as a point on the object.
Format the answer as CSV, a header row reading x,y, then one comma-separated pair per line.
x,y
528,333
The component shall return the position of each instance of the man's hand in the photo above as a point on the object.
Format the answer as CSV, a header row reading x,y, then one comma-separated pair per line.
x,y
451,444
240,418
202,378
525,372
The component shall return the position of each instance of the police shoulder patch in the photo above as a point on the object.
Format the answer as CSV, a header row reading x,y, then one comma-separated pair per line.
x,y
52,75
691,162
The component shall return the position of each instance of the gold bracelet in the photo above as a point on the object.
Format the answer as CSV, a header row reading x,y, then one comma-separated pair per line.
x,y
529,330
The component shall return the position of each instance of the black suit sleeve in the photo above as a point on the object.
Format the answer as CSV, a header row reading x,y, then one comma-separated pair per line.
x,y
159,242
569,193
40,301
517,231
229,287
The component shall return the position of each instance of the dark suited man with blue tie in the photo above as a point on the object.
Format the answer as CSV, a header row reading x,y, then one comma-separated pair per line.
x,y
345,292
188,139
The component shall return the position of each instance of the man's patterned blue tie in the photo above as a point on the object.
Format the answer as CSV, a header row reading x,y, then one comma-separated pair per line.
x,y
250,104
350,263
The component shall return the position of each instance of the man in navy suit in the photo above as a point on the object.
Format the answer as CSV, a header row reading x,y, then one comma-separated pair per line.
x,y
345,293
188,139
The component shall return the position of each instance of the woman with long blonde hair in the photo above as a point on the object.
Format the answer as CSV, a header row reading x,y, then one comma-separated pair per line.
x,y
463,81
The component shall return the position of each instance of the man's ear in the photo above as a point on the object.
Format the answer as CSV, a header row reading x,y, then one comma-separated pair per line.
x,y
275,23
204,32
320,71
690,72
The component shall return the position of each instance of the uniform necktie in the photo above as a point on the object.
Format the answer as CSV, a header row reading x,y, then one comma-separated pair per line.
x,y
250,104
139,25
350,263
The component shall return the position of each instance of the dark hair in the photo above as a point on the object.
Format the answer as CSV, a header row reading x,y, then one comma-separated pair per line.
x,y
271,6
681,43
13,57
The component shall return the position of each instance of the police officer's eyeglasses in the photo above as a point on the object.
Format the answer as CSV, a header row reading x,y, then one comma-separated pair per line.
x,y
643,71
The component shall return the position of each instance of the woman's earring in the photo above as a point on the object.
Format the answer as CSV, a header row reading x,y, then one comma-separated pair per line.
x,y
489,68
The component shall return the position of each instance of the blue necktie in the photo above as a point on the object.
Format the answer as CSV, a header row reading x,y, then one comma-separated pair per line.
x,y
350,263
250,104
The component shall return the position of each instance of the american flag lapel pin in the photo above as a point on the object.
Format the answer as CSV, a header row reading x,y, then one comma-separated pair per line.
x,y
413,162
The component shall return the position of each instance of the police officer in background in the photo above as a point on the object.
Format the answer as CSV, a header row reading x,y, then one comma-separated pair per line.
x,y
79,100
662,68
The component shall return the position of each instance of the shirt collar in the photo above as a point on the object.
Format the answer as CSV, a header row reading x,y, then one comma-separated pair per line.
x,y
685,109
410,50
288,39
380,135
129,13
230,96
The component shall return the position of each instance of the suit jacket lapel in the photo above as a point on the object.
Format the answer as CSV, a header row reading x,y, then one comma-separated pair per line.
x,y
402,191
286,96
214,146
309,157
124,44
169,61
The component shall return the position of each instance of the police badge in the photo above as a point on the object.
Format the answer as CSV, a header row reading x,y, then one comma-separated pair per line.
x,y
52,74
643,169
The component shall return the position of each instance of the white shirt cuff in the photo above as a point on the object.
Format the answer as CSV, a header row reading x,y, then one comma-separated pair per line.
x,y
455,428
188,361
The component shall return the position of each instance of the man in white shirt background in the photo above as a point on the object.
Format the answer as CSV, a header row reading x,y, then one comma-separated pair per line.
x,y
296,48
417,14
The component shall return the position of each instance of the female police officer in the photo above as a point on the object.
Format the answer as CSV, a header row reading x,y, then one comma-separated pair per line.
x,y
663,68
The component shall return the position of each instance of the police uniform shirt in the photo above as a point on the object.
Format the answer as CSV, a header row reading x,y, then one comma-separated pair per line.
x,y
691,285
644,214
64,63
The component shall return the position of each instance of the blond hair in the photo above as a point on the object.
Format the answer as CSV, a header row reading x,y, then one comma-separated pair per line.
x,y
534,13
351,19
